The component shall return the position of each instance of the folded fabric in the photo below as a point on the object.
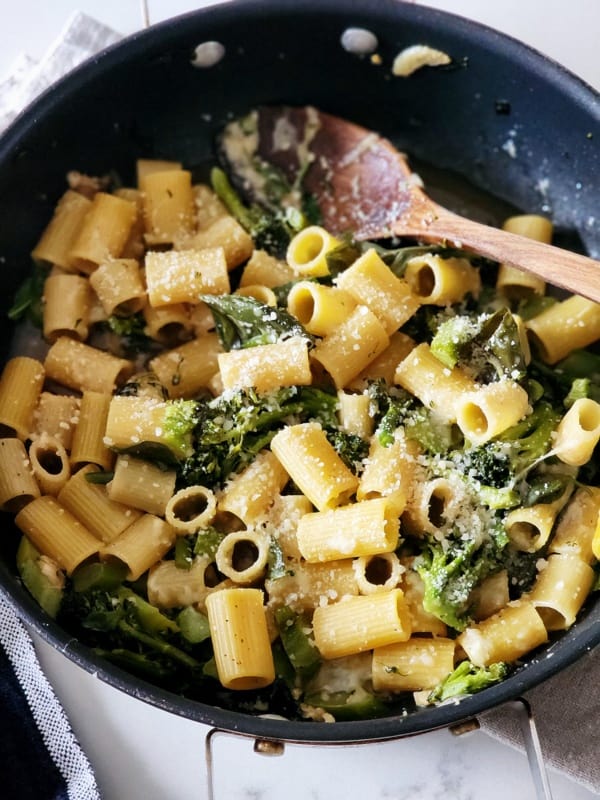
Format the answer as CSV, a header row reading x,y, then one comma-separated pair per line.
x,y
40,757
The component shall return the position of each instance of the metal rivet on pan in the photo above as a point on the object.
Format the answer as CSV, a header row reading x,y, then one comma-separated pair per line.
x,y
207,54
359,41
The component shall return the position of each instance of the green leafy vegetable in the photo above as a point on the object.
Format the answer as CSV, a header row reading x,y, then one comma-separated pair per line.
x,y
27,303
468,679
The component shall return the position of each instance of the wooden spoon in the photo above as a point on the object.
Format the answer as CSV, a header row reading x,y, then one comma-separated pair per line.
x,y
364,185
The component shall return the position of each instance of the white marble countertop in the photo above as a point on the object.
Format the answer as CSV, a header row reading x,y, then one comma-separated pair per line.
x,y
140,752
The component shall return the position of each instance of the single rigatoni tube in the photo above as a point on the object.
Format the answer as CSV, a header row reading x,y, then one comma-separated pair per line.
x,y
490,409
578,433
187,369
56,532
513,282
441,281
119,286
90,503
88,438
566,326
261,293
560,589
361,623
372,283
168,204
412,666
104,231
266,270
225,232
354,414
506,636
191,509
56,242
168,324
81,367
141,545
354,343
576,527
308,586
56,415
319,309
17,484
20,388
141,484
384,366
307,251
49,464
182,276
249,494
240,637
313,464
267,367
389,470
66,309
377,573
439,388
529,528
243,556
358,529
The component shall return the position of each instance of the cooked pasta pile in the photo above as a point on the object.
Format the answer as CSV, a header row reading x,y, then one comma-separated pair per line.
x,y
333,482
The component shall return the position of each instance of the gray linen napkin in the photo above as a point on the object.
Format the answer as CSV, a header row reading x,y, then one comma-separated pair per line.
x,y
566,708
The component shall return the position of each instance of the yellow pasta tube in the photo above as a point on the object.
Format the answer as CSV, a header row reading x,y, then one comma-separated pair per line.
x,y
361,623
240,637
578,432
411,666
17,484
320,309
576,528
266,270
104,231
81,367
267,366
191,509
249,494
170,586
119,286
441,281
89,502
141,484
515,283
49,464
560,590
313,464
384,366
243,556
168,324
225,232
88,438
347,350
283,521
56,242
168,204
181,276
357,529
389,471
377,573
56,532
437,387
432,506
307,252
20,388
371,282
490,409
141,545
529,528
565,326
263,294
66,309
506,636
308,586
354,414
187,369
133,420
56,415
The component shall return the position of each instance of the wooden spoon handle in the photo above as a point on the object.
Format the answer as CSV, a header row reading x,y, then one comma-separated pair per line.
x,y
575,273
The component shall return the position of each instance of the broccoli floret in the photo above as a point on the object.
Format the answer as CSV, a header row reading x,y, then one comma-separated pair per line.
x,y
468,679
245,322
450,570
271,228
489,346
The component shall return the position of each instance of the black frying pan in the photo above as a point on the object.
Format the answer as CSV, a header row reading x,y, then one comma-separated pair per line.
x,y
515,124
